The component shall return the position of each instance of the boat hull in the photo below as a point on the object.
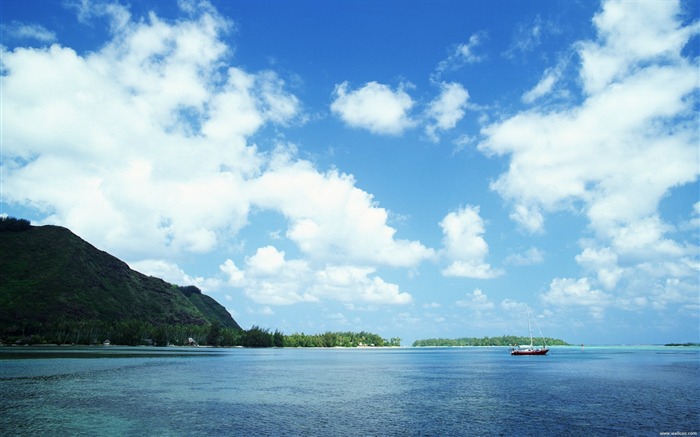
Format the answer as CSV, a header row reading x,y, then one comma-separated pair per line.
x,y
529,352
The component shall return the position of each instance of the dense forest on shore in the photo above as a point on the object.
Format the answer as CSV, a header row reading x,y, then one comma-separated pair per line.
x,y
505,340
135,333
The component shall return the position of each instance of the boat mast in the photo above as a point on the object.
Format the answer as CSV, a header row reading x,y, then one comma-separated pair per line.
x,y
541,336
529,327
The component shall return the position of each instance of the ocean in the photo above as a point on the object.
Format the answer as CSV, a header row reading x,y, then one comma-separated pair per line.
x,y
139,391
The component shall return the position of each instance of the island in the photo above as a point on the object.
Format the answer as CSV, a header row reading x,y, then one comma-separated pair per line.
x,y
504,340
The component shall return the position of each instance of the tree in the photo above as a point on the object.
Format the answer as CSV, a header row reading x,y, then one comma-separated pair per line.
x,y
257,337
11,224
278,338
214,335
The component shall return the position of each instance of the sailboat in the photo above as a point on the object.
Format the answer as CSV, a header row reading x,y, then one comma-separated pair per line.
x,y
530,349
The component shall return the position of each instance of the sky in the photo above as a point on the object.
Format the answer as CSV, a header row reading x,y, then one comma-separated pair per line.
x,y
410,168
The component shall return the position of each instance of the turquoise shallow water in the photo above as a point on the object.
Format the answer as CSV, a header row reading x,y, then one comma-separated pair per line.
x,y
348,392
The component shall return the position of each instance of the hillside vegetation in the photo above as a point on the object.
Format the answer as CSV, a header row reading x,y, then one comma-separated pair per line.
x,y
49,276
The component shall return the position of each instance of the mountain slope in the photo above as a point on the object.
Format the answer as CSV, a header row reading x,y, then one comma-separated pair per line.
x,y
47,274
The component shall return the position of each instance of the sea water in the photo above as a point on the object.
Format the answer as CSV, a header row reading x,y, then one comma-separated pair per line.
x,y
349,392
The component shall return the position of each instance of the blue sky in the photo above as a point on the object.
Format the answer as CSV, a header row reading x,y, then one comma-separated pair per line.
x,y
415,169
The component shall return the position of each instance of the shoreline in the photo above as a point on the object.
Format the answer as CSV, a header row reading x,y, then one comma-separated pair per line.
x,y
107,347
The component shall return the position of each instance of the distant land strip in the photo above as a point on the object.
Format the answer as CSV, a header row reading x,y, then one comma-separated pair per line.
x,y
505,340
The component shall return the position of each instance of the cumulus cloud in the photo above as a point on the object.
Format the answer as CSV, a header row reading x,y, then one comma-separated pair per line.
x,y
383,110
604,262
143,148
629,36
446,110
330,218
528,217
567,292
129,129
375,107
271,279
578,153
274,280
170,272
630,141
354,284
236,276
464,245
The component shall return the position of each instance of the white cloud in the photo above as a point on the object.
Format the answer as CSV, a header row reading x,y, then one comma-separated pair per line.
x,y
604,262
694,222
375,107
447,109
547,83
173,274
531,256
267,261
236,276
117,15
463,141
464,245
461,55
644,238
330,219
613,152
382,110
17,31
271,279
543,87
529,217
144,150
674,291
477,301
512,306
630,141
118,110
567,292
256,98
354,284
631,35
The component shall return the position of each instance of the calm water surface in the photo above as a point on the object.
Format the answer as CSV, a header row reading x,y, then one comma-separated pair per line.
x,y
348,392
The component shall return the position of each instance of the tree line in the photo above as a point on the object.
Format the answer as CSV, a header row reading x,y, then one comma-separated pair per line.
x,y
12,224
504,340
135,332
339,339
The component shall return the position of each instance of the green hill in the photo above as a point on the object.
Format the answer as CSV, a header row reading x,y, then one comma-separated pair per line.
x,y
49,275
